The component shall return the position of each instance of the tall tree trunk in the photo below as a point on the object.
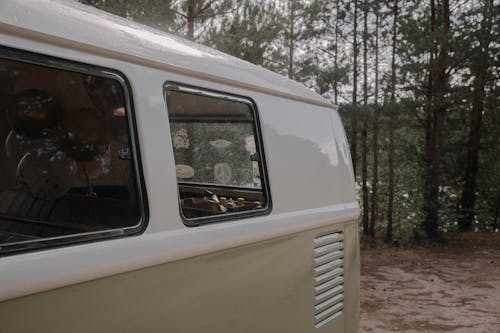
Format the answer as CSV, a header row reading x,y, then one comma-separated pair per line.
x,y
291,41
336,53
190,18
479,68
374,194
468,199
440,80
390,204
354,125
364,130
429,125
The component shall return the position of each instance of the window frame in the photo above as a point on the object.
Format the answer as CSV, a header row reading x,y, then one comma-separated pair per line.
x,y
57,63
265,188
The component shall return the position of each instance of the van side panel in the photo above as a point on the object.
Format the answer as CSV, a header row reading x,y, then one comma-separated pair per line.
x,y
305,163
221,292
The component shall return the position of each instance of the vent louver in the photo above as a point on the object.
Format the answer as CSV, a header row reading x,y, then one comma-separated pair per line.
x,y
328,278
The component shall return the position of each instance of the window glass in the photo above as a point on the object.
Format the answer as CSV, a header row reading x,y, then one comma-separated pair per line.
x,y
65,158
218,161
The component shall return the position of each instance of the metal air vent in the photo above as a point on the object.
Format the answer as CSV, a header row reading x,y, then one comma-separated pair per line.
x,y
328,278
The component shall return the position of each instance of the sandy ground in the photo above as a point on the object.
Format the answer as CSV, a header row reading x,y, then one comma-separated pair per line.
x,y
446,288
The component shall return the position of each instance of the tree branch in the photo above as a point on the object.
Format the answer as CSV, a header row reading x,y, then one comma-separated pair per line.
x,y
202,9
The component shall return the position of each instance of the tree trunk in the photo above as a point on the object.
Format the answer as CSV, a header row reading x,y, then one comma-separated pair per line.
x,y
393,55
291,41
479,68
440,80
190,19
468,200
429,125
354,126
374,194
364,130
364,176
336,53
390,204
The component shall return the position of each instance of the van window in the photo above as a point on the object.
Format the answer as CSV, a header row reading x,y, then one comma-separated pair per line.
x,y
218,158
66,166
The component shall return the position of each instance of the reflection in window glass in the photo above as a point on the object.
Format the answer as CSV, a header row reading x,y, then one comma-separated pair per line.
x,y
65,160
218,161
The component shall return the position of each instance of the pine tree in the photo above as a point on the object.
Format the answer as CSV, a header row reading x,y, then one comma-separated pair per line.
x,y
480,66
364,130
374,194
392,120
333,72
438,107
354,125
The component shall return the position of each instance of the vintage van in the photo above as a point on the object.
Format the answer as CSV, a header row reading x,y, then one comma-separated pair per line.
x,y
150,184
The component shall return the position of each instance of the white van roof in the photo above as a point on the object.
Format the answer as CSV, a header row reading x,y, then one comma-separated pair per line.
x,y
69,23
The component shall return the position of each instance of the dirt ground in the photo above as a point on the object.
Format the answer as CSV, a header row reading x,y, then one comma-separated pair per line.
x,y
454,287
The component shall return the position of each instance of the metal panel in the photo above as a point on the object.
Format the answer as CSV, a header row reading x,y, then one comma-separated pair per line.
x,y
328,277
262,287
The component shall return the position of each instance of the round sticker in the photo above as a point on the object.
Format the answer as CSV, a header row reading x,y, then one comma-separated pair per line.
x,y
184,171
223,173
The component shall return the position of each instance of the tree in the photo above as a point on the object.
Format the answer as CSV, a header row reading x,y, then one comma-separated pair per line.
x,y
390,204
364,130
331,19
250,33
300,33
201,12
480,66
337,32
354,125
439,77
374,194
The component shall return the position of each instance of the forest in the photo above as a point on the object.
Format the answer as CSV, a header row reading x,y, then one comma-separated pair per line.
x,y
416,82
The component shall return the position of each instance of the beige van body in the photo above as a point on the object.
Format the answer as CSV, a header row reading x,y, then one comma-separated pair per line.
x,y
289,265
